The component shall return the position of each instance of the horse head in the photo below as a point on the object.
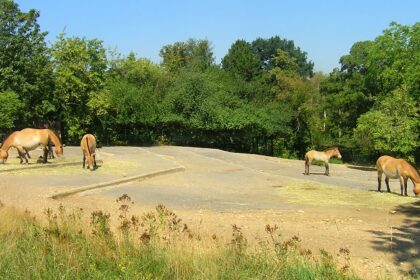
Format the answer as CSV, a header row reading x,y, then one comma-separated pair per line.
x,y
3,155
416,188
336,152
59,150
91,161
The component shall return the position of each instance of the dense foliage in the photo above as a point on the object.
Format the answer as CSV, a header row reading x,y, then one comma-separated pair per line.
x,y
264,97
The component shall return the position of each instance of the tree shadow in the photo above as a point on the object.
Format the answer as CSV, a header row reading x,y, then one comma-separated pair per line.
x,y
362,168
395,193
403,241
315,173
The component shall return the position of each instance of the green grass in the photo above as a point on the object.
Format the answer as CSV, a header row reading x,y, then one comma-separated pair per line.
x,y
156,245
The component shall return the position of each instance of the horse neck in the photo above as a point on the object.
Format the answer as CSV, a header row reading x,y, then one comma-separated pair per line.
x,y
414,174
329,153
54,138
7,143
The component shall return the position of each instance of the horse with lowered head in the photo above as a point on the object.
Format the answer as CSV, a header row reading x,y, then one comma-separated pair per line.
x,y
397,168
321,156
88,145
29,139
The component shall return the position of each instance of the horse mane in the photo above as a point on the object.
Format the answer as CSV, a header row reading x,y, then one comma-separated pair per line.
x,y
330,149
415,167
5,138
55,135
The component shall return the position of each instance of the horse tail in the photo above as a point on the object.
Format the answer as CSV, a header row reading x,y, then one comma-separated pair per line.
x,y
306,157
87,145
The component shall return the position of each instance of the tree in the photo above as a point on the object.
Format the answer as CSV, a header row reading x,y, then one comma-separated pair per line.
x,y
266,49
370,73
25,67
242,61
79,69
10,107
194,53
391,127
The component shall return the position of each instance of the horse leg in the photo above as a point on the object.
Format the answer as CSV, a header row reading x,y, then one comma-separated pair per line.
x,y
27,154
45,154
20,157
50,151
405,186
22,154
379,181
402,184
94,160
387,183
307,164
84,160
327,169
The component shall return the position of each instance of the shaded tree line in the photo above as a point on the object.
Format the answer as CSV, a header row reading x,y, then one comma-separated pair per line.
x,y
263,97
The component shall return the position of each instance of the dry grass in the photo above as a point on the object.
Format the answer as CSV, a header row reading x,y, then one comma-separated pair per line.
x,y
326,195
155,245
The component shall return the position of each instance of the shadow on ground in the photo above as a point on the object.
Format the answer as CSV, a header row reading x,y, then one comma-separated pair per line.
x,y
403,241
362,168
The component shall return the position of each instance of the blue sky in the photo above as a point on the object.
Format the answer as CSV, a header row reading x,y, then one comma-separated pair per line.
x,y
324,29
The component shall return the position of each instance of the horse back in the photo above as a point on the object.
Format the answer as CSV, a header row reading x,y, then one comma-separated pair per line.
x,y
315,155
392,167
88,143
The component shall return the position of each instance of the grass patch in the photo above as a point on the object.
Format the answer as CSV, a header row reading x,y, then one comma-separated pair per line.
x,y
327,195
156,245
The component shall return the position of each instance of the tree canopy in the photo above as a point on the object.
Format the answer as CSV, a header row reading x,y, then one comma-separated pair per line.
x,y
263,97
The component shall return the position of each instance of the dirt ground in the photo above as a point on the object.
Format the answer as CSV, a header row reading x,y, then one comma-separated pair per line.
x,y
219,189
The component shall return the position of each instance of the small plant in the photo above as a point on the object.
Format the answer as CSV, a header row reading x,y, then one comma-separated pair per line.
x,y
238,240
100,223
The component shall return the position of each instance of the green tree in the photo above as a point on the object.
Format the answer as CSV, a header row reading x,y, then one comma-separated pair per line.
x,y
241,60
10,107
25,66
79,69
369,74
195,53
391,127
266,49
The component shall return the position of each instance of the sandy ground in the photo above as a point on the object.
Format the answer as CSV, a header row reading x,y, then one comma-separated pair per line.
x,y
219,189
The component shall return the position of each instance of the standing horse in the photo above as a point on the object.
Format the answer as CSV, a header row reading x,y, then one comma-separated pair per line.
x,y
321,156
29,139
398,169
88,145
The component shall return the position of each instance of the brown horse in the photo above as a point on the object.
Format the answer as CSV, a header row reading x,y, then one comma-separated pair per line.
x,y
88,145
54,140
397,169
29,139
321,156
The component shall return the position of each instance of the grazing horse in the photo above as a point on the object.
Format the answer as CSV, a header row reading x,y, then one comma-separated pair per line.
x,y
321,156
54,140
29,139
398,169
88,145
